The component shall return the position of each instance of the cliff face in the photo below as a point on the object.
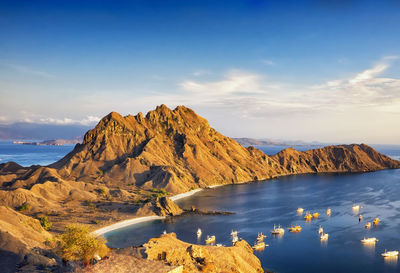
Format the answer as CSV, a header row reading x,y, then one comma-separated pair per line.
x,y
171,149
197,258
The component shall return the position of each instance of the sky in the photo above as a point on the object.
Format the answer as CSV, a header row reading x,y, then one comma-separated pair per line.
x,y
317,70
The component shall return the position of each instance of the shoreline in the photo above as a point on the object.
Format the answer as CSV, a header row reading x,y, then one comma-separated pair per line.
x,y
137,220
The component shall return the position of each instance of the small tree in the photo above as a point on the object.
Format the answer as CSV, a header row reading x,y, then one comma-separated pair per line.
x,y
46,224
77,243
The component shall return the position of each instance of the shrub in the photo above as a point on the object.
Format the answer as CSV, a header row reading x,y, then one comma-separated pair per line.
x,y
25,206
78,244
46,224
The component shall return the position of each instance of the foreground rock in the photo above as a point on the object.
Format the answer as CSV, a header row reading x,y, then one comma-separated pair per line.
x,y
198,258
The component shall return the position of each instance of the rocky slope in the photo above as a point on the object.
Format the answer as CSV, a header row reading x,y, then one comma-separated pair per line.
x,y
178,150
197,258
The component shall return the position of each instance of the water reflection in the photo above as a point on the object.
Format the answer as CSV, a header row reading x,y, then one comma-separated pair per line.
x,y
392,261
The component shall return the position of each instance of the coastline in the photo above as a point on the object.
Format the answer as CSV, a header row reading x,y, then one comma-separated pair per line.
x,y
137,220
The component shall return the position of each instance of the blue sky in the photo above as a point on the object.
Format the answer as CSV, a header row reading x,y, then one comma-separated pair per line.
x,y
309,70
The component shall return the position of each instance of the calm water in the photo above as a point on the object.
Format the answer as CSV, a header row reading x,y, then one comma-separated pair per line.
x,y
258,206
27,155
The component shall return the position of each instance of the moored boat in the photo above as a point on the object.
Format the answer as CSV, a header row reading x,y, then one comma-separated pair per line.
x,y
393,253
324,236
320,230
372,240
277,230
315,215
235,239
356,207
295,228
234,233
329,212
199,232
300,210
308,216
368,225
259,246
261,237
210,239
376,221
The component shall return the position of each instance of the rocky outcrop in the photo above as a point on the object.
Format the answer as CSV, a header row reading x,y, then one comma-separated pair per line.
x,y
198,258
164,206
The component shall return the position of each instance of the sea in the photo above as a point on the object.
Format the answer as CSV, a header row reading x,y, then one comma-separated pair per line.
x,y
258,206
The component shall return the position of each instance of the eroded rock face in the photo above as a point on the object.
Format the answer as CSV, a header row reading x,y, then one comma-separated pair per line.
x,y
197,258
164,206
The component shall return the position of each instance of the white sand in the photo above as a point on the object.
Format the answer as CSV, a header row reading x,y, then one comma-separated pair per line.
x,y
126,223
138,220
185,194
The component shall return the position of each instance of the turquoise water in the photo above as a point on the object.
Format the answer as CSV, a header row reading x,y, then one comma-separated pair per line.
x,y
258,206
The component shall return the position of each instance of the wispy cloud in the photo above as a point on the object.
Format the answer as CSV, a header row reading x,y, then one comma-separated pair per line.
x,y
89,120
253,94
28,70
267,62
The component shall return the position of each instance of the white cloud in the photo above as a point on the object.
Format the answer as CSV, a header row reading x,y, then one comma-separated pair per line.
x,y
66,121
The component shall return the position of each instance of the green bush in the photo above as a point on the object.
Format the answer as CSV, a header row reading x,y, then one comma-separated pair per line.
x,y
46,224
25,206
78,244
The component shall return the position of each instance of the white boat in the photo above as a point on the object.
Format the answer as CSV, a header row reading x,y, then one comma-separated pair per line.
x,y
393,253
329,212
360,217
324,236
368,225
356,207
235,239
199,232
372,240
210,239
320,230
219,244
164,232
300,210
234,233
278,230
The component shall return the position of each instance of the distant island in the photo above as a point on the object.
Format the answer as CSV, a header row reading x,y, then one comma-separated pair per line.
x,y
52,142
245,141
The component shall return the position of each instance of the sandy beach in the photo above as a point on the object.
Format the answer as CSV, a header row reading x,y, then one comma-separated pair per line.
x,y
137,220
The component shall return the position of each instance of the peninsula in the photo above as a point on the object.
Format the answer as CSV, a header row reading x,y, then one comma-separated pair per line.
x,y
125,166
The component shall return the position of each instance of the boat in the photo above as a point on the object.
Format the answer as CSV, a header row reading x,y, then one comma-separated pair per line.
x,y
376,221
260,237
235,239
393,253
372,240
259,246
164,232
308,216
315,215
324,236
210,239
356,207
199,232
320,230
234,233
329,212
218,244
277,230
296,228
368,225
360,217
300,210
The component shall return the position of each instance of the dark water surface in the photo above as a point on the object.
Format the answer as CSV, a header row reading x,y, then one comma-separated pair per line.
x,y
258,206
